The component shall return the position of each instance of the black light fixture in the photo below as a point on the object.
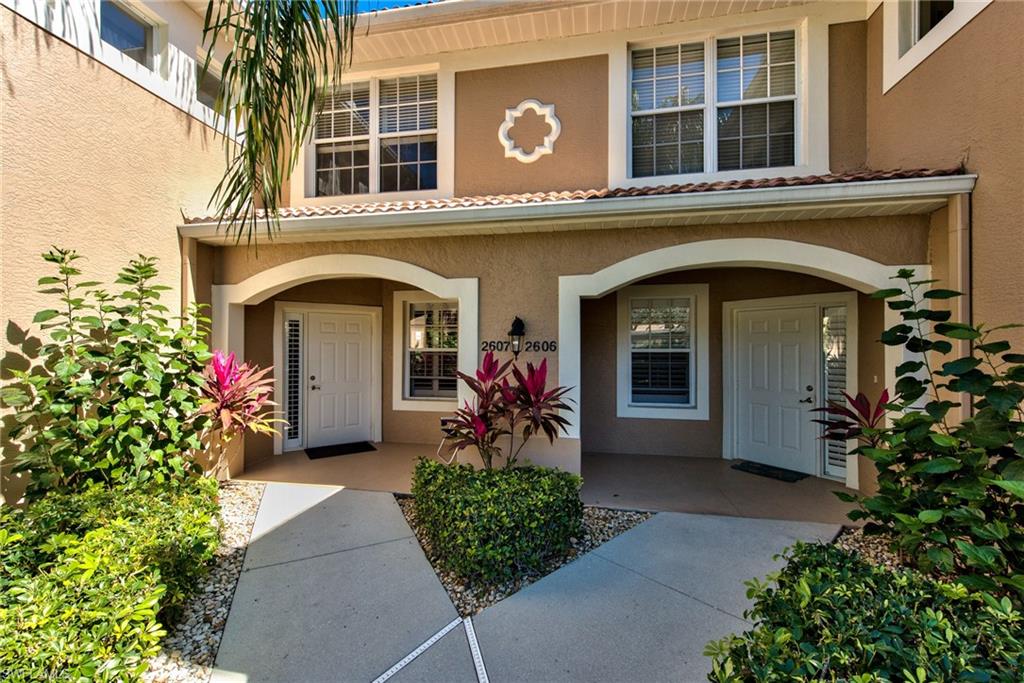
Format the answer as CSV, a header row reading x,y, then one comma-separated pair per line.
x,y
515,336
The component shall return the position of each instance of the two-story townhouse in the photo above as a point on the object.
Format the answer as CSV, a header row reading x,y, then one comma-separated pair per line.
x,y
685,204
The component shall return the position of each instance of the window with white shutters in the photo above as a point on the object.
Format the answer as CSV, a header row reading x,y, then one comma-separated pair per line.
x,y
377,136
752,123
833,335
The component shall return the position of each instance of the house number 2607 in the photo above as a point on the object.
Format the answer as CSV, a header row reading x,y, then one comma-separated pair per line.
x,y
529,346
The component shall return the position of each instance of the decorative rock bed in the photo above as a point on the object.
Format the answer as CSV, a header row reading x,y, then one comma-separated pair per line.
x,y
873,548
599,526
190,648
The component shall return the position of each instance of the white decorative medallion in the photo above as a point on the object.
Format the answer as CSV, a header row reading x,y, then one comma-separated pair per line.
x,y
512,150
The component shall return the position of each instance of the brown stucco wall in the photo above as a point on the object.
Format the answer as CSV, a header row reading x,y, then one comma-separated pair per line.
x,y
90,161
847,93
965,103
396,427
579,90
602,431
519,274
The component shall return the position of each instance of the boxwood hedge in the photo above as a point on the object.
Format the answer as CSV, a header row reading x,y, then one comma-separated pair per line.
x,y
494,525
830,616
88,577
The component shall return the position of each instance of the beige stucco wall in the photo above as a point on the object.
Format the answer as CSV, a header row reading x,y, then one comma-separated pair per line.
x,y
847,96
579,90
965,104
89,161
602,431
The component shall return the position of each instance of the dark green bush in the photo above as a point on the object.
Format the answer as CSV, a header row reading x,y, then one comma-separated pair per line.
x,y
493,525
87,577
828,615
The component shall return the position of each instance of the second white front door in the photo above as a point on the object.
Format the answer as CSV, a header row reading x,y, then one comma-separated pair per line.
x,y
777,358
340,387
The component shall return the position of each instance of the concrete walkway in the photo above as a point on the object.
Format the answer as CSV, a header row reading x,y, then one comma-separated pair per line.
x,y
336,588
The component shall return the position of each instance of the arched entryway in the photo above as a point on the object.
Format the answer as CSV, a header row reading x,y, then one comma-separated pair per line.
x,y
839,271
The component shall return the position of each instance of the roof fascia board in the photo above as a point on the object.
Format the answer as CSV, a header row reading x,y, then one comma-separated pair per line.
x,y
866,192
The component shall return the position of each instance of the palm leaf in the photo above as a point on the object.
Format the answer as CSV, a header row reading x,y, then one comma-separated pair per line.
x,y
280,56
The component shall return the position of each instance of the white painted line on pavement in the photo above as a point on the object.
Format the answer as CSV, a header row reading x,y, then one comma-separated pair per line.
x,y
417,652
474,648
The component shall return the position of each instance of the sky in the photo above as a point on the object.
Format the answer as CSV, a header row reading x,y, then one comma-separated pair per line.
x,y
369,5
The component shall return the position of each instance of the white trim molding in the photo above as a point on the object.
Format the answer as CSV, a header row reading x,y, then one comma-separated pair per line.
x,y
855,272
547,146
281,310
399,357
900,58
730,362
698,407
229,301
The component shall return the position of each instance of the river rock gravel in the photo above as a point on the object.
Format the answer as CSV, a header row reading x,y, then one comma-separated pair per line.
x,y
873,548
190,648
599,526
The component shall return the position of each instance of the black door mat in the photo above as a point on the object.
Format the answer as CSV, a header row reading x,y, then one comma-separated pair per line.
x,y
339,449
788,476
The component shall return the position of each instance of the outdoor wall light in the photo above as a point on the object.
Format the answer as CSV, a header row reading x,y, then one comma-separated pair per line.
x,y
515,336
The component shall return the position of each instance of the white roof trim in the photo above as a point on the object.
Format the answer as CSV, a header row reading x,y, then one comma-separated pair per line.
x,y
923,192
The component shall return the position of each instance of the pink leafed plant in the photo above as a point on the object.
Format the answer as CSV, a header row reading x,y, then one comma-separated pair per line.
x,y
858,419
517,409
237,399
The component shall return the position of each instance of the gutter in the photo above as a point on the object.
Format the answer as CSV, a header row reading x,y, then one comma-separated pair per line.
x,y
574,210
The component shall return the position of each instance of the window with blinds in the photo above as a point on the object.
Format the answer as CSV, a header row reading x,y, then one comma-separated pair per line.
x,y
432,349
752,122
833,335
756,86
377,136
660,351
667,102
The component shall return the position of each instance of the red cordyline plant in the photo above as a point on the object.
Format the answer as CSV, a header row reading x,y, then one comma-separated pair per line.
x,y
857,420
238,400
517,409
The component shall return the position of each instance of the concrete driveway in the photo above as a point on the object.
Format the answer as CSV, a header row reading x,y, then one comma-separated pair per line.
x,y
336,588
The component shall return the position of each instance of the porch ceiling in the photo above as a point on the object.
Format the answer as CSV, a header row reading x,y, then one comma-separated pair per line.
x,y
891,193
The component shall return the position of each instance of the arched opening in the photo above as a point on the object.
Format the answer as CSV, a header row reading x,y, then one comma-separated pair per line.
x,y
644,388
364,349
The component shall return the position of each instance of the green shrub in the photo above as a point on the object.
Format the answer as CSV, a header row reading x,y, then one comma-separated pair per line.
x,y
828,615
950,493
493,525
88,577
114,393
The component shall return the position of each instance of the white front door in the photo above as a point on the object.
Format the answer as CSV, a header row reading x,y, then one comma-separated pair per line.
x,y
339,403
777,373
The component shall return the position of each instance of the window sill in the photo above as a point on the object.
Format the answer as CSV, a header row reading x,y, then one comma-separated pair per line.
x,y
342,199
648,412
425,405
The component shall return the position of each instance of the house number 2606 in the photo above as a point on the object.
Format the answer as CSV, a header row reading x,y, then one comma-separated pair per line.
x,y
529,346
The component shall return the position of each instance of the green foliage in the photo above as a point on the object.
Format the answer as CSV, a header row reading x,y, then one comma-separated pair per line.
x,y
494,525
951,493
87,576
114,395
279,57
830,616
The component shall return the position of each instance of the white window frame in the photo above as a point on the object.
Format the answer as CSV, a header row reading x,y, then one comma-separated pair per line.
x,y
700,371
400,356
900,16
711,104
156,26
374,138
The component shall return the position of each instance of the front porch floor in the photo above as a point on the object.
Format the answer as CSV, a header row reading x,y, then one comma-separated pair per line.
x,y
706,486
643,482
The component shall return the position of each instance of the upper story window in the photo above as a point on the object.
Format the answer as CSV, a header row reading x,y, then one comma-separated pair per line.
x,y
918,17
752,122
127,32
208,88
378,136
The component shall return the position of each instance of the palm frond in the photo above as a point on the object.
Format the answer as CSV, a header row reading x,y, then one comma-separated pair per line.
x,y
279,56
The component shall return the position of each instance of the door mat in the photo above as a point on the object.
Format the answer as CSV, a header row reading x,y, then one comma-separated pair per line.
x,y
339,449
788,476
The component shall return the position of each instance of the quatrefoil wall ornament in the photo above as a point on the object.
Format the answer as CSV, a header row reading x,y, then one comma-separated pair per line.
x,y
514,151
